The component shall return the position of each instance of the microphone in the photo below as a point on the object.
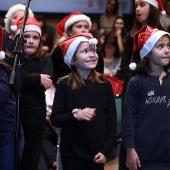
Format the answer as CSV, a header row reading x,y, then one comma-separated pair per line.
x,y
27,3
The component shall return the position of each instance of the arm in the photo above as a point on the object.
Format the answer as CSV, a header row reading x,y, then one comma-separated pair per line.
x,y
126,58
130,107
120,40
60,117
100,64
132,159
59,67
41,77
111,122
4,86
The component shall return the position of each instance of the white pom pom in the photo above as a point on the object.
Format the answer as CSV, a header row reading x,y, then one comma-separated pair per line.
x,y
93,41
62,39
2,55
13,28
132,66
163,12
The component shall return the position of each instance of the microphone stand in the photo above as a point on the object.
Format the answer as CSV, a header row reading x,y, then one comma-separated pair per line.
x,y
15,83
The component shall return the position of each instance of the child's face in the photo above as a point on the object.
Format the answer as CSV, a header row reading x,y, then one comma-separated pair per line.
x,y
15,15
111,5
94,27
160,54
119,24
142,11
86,57
79,27
109,50
32,44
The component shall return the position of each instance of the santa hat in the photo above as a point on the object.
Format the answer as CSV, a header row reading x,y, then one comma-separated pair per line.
x,y
69,20
69,46
10,13
156,3
2,54
144,41
31,25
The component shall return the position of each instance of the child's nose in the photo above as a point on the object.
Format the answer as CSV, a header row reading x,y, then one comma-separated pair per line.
x,y
31,40
91,54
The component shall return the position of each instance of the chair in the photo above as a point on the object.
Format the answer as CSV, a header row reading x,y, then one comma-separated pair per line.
x,y
118,101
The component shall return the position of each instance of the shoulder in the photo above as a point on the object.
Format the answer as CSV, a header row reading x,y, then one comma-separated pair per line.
x,y
4,70
137,78
46,59
63,81
107,83
138,81
57,52
102,16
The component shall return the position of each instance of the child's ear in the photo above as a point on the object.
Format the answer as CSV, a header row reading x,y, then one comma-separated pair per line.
x,y
69,33
72,62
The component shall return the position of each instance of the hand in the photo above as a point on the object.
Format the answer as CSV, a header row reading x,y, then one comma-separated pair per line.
x,y
132,159
86,114
45,49
100,158
47,117
118,32
46,81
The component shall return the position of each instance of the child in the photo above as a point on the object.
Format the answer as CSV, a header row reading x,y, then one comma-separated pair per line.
x,y
10,17
146,107
72,24
7,115
147,12
84,107
37,74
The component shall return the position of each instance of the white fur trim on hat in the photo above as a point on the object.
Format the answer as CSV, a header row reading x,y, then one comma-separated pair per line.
x,y
62,39
73,46
10,13
2,55
152,2
151,42
77,18
30,28
13,28
132,66
163,12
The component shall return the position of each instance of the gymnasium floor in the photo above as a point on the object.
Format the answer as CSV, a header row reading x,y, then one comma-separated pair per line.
x,y
112,163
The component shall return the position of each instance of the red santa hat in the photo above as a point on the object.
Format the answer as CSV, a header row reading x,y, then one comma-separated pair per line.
x,y
69,20
31,25
10,13
2,54
69,46
156,3
144,41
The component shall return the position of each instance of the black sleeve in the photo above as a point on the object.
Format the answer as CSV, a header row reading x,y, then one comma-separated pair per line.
x,y
100,64
111,122
4,86
33,79
126,58
60,117
59,67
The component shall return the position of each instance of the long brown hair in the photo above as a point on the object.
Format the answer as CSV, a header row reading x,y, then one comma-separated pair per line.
x,y
153,20
77,82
